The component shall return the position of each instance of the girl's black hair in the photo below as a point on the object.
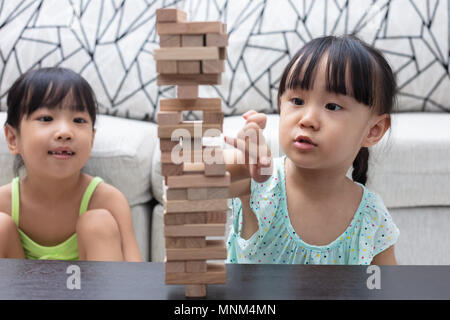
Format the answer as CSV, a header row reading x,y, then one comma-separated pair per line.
x,y
47,87
353,68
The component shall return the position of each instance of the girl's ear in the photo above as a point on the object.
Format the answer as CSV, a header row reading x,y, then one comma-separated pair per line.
x,y
12,135
378,128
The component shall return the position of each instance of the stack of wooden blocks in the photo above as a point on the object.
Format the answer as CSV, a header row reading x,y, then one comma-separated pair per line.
x,y
196,189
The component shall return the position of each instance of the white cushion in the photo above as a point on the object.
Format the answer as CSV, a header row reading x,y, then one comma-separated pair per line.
x,y
424,236
409,167
122,156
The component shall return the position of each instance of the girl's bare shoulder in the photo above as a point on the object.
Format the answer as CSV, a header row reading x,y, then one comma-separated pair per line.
x,y
5,198
106,195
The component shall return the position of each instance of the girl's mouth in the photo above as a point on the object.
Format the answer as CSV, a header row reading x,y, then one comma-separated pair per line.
x,y
304,143
69,153
62,154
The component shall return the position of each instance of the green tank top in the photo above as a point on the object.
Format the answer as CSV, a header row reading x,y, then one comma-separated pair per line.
x,y
67,250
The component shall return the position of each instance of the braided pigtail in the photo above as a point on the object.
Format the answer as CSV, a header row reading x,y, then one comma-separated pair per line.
x,y
360,166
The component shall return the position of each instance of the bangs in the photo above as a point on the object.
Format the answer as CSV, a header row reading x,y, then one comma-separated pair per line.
x,y
51,93
349,69
49,88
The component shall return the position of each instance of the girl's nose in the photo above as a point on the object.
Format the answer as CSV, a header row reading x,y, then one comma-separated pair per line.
x,y
310,119
64,133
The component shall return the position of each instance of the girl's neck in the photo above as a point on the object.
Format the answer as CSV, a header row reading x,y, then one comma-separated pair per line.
x,y
316,184
48,188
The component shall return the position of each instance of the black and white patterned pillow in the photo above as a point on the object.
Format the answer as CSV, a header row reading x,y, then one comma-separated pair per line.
x,y
111,43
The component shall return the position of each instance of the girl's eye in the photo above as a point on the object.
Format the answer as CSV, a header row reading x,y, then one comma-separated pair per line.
x,y
333,107
79,120
45,118
297,101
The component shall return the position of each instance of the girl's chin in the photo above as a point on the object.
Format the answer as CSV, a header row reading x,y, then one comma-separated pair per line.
x,y
301,162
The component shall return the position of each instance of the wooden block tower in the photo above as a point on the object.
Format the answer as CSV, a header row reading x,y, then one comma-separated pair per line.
x,y
196,189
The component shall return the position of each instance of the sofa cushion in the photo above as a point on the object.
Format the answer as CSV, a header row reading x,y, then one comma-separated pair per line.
x,y
122,156
409,167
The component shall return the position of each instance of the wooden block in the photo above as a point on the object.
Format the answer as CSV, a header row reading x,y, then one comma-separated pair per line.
x,y
169,117
194,144
214,250
176,194
216,40
197,193
168,145
213,155
217,193
188,79
194,168
214,162
193,230
215,274
191,129
167,67
213,117
216,217
187,92
177,266
170,15
222,53
188,67
213,66
175,219
195,242
190,27
195,266
187,53
204,104
170,41
195,290
198,181
181,156
175,243
193,40
194,217
215,169
166,157
168,169
192,155
177,206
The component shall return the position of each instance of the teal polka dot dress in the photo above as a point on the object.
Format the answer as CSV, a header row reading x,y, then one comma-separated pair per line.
x,y
370,232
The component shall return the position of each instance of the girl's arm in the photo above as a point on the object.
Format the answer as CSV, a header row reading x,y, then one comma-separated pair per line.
x,y
386,257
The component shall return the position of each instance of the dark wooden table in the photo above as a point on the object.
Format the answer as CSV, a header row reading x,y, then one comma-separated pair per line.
x,y
25,279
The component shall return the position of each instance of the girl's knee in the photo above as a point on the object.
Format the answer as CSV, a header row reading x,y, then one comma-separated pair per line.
x,y
97,223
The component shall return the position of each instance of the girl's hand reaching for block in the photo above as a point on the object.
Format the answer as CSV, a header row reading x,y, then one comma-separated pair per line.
x,y
251,142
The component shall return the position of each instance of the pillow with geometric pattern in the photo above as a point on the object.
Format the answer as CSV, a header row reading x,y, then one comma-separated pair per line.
x,y
111,44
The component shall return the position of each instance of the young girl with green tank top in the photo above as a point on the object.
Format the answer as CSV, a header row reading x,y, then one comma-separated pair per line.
x,y
54,210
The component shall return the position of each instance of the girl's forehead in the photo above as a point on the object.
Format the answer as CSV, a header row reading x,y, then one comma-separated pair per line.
x,y
321,73
65,100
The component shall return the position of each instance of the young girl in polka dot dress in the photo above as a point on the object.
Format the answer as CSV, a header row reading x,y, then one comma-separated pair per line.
x,y
335,99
